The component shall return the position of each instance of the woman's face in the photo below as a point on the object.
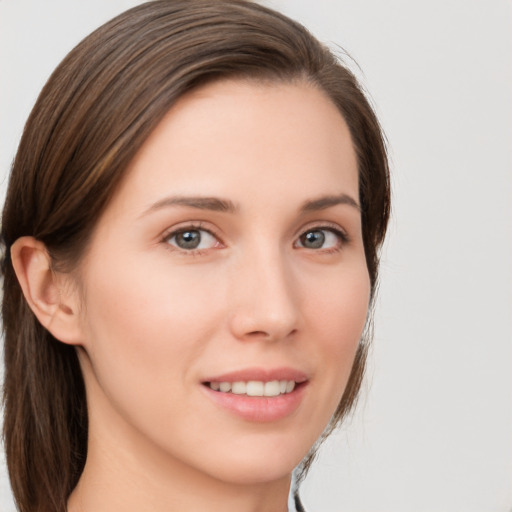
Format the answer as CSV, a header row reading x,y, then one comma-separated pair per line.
x,y
229,265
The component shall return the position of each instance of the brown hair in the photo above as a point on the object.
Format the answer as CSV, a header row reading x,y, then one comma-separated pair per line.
x,y
92,116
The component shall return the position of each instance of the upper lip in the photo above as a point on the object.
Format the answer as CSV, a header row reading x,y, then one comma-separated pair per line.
x,y
260,374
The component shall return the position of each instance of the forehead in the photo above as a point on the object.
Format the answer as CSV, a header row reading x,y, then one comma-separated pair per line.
x,y
243,138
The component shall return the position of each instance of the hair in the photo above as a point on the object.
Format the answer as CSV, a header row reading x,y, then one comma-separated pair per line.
x,y
92,116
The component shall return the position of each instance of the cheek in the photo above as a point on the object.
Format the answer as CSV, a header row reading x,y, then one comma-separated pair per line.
x,y
143,324
339,311
146,330
145,295
340,306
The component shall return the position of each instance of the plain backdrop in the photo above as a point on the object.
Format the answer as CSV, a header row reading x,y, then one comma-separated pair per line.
x,y
433,431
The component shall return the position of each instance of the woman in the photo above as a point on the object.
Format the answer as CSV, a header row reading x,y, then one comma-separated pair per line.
x,y
191,235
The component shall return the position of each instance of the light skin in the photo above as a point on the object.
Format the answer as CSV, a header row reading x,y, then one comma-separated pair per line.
x,y
233,244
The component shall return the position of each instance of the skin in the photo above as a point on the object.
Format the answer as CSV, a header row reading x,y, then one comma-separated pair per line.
x,y
154,320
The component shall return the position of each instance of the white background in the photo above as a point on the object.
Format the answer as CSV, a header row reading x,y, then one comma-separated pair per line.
x,y
433,432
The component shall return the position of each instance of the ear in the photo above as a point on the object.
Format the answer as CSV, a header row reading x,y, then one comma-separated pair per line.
x,y
51,295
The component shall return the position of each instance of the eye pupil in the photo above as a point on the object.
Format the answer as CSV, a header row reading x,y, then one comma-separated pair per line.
x,y
313,239
188,239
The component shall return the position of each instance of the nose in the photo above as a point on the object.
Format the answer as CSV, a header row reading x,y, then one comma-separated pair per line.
x,y
265,302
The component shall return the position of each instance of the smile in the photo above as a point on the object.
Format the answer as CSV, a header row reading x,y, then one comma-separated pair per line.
x,y
254,387
258,394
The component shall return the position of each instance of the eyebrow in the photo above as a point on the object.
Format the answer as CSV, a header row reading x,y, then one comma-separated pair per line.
x,y
324,202
202,203
226,206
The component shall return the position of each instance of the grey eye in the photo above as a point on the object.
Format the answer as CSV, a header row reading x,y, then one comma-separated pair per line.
x,y
191,239
319,239
313,239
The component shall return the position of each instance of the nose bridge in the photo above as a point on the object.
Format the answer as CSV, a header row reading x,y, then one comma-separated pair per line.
x,y
264,296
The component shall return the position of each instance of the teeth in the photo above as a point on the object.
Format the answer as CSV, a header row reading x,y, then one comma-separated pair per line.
x,y
255,387
290,386
225,387
239,388
272,388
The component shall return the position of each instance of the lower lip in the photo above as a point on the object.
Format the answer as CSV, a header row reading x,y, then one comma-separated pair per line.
x,y
259,409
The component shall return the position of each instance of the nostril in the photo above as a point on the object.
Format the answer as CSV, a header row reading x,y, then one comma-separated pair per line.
x,y
270,335
259,333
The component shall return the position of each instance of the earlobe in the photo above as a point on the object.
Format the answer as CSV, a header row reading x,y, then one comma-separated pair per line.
x,y
50,297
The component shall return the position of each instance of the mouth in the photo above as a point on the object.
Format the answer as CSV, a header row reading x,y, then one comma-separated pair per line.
x,y
255,388
258,395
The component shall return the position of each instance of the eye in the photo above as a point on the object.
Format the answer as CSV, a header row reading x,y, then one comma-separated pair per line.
x,y
190,239
321,238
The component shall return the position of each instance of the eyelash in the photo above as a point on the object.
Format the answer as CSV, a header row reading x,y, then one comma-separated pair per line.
x,y
335,229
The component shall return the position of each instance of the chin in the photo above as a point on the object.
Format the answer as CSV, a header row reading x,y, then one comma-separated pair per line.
x,y
254,473
258,464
